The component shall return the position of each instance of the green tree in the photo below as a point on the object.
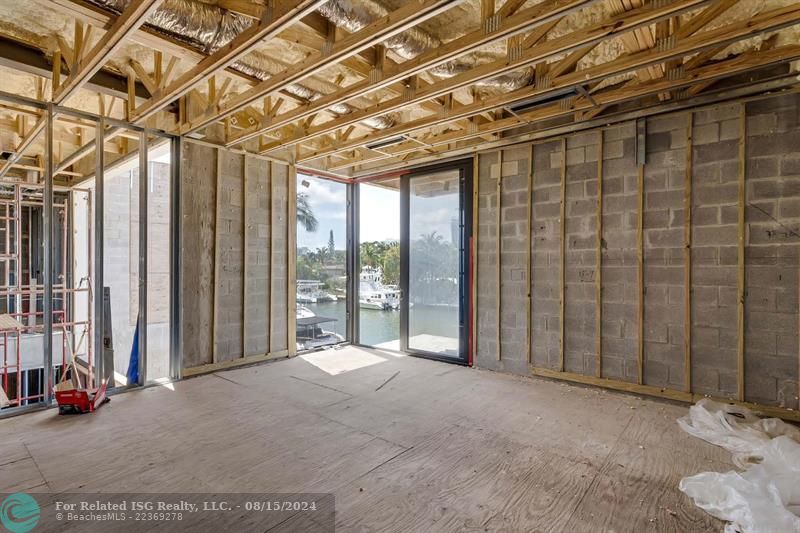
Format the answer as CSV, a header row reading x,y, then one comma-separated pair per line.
x,y
370,254
307,268
391,264
331,246
305,214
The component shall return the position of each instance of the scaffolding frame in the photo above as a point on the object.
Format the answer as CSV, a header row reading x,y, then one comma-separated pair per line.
x,y
21,291
52,289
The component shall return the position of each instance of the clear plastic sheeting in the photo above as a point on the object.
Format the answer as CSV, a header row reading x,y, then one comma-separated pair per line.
x,y
765,496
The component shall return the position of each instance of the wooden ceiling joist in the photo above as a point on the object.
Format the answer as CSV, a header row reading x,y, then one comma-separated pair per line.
x,y
764,22
145,36
127,23
396,22
86,149
539,15
537,54
610,96
26,142
271,25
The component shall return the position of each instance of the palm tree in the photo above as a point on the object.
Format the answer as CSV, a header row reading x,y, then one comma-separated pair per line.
x,y
305,215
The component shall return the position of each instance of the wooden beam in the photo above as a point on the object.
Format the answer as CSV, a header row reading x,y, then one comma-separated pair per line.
x,y
510,7
271,255
535,17
537,54
487,10
640,273
687,255
562,241
410,14
660,392
225,365
612,95
56,79
707,16
499,255
598,281
86,149
738,92
271,25
528,258
727,34
215,295
19,151
127,23
740,270
147,37
244,255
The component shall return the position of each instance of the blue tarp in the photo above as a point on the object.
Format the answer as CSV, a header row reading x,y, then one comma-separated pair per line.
x,y
133,366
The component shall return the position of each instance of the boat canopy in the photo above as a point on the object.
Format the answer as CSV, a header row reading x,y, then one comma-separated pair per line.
x,y
314,320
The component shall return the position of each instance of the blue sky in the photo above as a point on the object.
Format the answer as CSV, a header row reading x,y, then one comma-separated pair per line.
x,y
328,200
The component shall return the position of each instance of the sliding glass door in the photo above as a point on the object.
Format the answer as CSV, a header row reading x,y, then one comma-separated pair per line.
x,y
434,262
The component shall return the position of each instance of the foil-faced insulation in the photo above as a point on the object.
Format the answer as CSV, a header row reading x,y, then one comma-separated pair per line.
x,y
208,28
355,15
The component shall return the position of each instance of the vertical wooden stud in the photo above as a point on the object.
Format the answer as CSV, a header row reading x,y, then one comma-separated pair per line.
x,y
158,69
640,273
244,256
529,255
131,102
498,252
562,249
215,316
273,233
475,231
271,191
598,279
487,9
687,256
56,82
291,254
77,46
740,278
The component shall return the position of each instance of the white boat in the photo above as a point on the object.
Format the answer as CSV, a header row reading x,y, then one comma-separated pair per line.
x,y
326,297
373,295
309,330
306,298
310,292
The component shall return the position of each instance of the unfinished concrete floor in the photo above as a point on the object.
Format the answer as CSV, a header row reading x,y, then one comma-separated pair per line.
x,y
405,444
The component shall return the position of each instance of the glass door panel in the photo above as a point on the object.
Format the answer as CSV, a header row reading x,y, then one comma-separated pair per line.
x,y
434,301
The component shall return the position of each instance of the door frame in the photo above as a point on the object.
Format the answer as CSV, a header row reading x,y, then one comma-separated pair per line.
x,y
465,167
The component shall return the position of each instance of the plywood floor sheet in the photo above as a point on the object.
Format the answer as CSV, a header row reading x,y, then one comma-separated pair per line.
x,y
405,444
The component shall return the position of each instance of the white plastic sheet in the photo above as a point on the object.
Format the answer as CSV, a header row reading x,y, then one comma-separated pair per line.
x,y
765,496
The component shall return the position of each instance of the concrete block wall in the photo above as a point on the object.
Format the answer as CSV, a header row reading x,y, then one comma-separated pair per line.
x,y
198,186
230,256
234,254
619,293
514,251
280,275
546,261
580,311
663,244
257,226
487,319
715,161
772,253
773,250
